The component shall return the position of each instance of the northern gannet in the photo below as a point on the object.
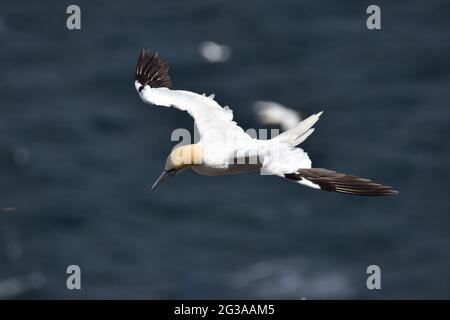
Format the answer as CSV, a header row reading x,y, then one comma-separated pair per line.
x,y
273,113
224,148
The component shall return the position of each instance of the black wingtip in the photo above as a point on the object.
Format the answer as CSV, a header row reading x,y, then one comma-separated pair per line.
x,y
329,180
152,71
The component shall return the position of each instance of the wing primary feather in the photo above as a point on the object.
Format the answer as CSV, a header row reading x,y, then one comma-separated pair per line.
x,y
152,71
329,180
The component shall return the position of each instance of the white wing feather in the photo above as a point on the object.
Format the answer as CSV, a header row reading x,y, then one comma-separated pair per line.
x,y
212,121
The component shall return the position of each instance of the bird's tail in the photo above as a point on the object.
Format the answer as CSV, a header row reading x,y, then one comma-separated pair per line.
x,y
328,180
300,132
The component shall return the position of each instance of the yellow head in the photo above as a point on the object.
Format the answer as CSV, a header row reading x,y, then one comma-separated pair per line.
x,y
179,159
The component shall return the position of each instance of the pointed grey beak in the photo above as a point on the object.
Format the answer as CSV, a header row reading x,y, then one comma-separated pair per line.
x,y
165,174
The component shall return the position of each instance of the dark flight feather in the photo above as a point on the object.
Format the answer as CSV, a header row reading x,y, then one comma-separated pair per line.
x,y
329,180
152,71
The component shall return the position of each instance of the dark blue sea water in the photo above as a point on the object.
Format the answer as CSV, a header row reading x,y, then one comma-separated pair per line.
x,y
79,151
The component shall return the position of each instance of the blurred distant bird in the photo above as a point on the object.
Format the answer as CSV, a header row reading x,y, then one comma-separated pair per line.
x,y
214,52
7,209
273,113
224,147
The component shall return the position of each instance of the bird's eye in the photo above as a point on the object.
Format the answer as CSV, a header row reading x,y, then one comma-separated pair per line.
x,y
141,88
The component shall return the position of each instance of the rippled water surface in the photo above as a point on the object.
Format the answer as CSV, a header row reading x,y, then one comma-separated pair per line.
x,y
79,151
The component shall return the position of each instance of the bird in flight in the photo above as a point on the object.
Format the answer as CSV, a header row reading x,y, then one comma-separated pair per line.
x,y
224,148
273,113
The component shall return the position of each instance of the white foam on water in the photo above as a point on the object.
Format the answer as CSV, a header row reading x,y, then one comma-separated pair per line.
x,y
15,286
293,279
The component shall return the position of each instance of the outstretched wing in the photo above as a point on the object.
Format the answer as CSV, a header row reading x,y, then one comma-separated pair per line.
x,y
294,164
153,84
329,180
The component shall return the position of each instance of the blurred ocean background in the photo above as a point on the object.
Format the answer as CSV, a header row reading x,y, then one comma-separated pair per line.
x,y
79,151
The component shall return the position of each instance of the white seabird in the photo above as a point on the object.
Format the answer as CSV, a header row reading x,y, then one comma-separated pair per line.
x,y
273,113
214,52
224,148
